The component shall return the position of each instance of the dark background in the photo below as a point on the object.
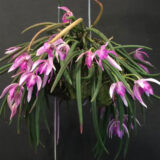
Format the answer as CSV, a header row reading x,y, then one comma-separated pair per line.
x,y
130,22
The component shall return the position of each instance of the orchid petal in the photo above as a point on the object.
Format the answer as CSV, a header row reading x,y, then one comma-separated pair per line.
x,y
124,101
30,90
152,80
138,95
8,88
45,78
38,62
24,77
113,63
112,89
39,83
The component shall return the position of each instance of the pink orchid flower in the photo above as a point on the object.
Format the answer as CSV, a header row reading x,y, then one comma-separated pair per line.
x,y
114,128
12,50
89,58
14,97
30,79
46,48
139,54
24,61
62,51
44,67
119,88
142,86
103,53
66,15
60,47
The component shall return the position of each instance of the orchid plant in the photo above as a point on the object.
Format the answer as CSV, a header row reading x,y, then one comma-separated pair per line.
x,y
65,61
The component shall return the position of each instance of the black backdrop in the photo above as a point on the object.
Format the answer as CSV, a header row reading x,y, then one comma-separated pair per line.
x,y
130,22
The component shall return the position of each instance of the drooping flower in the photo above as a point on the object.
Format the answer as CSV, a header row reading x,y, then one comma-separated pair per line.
x,y
44,67
46,48
60,48
119,88
142,86
144,68
66,15
30,79
103,54
139,54
14,97
115,129
89,58
62,51
24,61
12,50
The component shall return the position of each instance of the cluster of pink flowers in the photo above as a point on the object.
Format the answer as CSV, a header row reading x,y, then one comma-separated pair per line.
x,y
102,54
31,73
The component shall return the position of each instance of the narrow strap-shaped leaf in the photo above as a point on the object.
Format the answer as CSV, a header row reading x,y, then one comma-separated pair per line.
x,y
127,66
3,105
130,60
68,59
38,25
66,75
5,67
150,75
108,71
79,93
33,105
90,73
99,83
20,112
100,34
37,118
43,111
132,46
125,147
119,149
117,73
95,120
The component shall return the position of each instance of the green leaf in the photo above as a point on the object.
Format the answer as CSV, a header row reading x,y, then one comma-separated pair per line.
x,y
117,73
95,120
20,112
132,46
119,149
38,25
67,75
90,73
37,118
128,57
79,93
127,66
68,59
126,147
3,105
5,67
99,83
100,34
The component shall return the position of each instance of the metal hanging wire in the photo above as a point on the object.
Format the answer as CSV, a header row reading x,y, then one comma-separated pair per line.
x,y
89,15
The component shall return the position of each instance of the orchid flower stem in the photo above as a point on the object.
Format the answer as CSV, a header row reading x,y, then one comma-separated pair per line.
x,y
66,30
37,34
100,13
132,75
115,77
130,79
